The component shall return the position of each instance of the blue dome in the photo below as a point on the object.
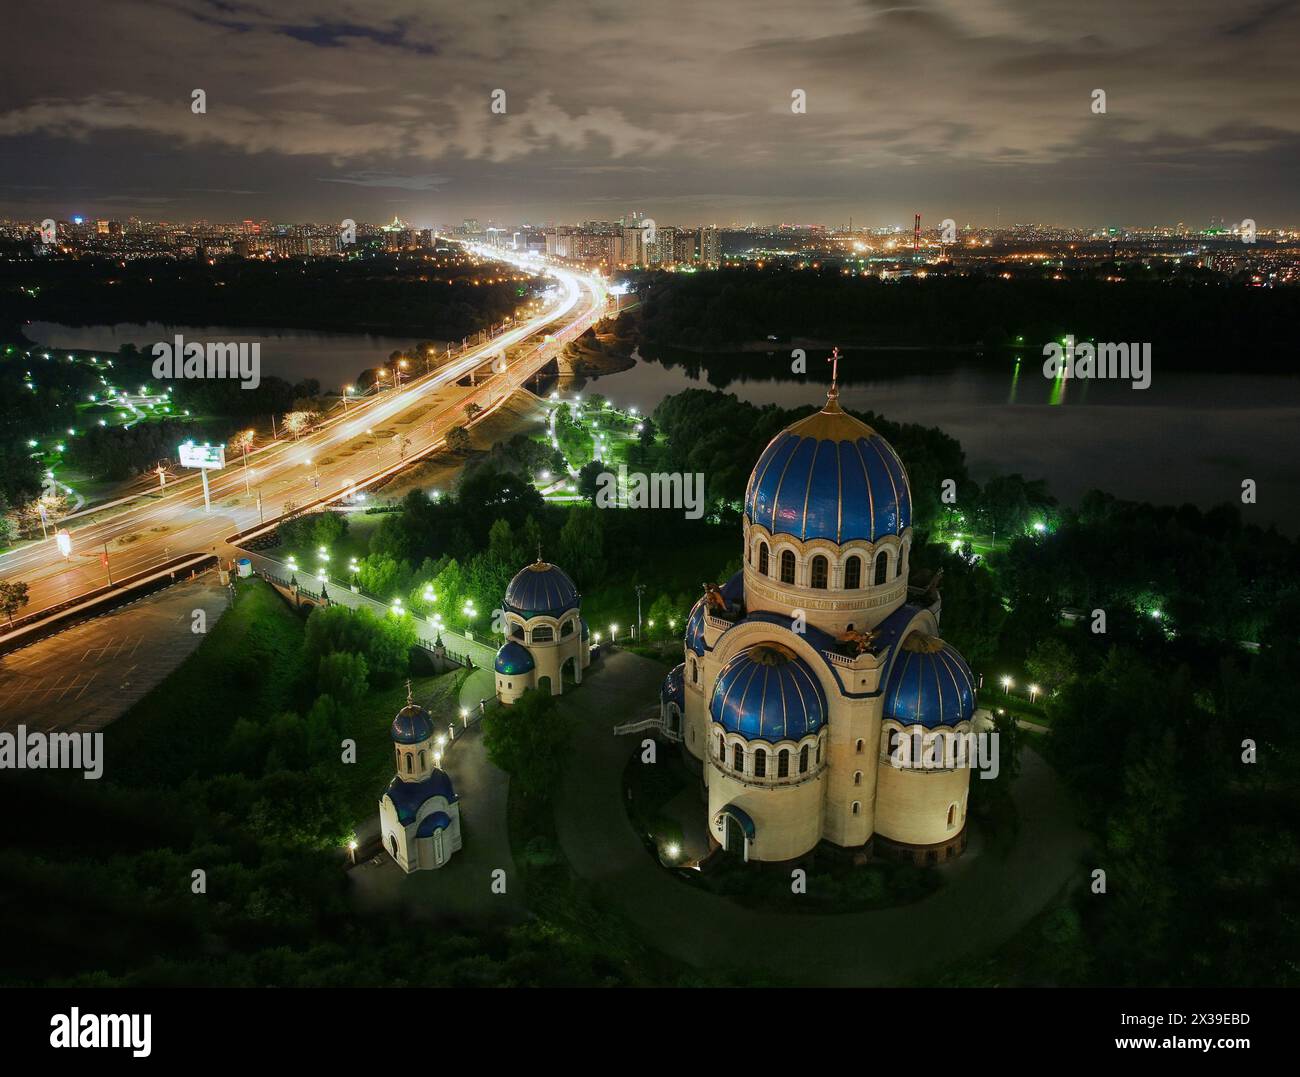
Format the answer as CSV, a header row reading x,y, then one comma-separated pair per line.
x,y
408,796
695,628
586,629
829,476
411,725
768,693
438,820
541,588
513,658
929,684
671,692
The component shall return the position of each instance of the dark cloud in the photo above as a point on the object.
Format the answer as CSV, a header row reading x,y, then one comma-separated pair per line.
x,y
963,108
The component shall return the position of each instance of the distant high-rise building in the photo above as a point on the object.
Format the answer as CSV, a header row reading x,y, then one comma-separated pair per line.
x,y
665,246
632,253
710,248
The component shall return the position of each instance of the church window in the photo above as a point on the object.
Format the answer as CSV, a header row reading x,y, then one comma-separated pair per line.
x,y
860,746
722,749
738,759
543,634
760,764
783,763
762,558
803,760
898,565
857,807
882,567
566,629
787,566
853,573
819,572
421,758
857,777
410,765
952,816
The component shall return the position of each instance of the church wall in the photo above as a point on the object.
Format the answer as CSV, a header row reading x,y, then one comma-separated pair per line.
x,y
787,818
912,804
853,723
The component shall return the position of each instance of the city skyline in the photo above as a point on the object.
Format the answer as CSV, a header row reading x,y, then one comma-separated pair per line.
x,y
979,112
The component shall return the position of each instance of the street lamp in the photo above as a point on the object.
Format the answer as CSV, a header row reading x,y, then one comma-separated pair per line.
x,y
1033,691
1007,684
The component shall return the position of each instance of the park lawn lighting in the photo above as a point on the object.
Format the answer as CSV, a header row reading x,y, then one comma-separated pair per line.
x,y
103,422
1007,684
1156,614
1039,526
613,631
652,624
429,595
597,635
464,712
1033,691
672,622
352,846
672,850
956,545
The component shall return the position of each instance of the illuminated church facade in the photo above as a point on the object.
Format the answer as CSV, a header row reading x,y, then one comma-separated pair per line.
x,y
804,674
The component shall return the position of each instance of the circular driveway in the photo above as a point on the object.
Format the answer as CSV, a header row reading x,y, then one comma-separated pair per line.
x,y
984,900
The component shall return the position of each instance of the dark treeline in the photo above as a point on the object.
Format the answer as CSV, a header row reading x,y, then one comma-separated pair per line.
x,y
1190,321
376,292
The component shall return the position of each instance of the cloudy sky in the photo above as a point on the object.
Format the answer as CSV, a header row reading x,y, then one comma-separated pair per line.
x,y
979,110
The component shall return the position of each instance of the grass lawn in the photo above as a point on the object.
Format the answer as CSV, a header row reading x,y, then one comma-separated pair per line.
x,y
246,667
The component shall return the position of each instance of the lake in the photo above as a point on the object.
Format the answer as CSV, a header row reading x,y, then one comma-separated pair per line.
x,y
1190,437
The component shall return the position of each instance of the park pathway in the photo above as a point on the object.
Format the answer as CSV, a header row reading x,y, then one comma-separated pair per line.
x,y
985,899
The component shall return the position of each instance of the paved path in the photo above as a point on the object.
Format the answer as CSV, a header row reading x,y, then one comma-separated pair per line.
x,y
88,675
984,901
480,653
461,890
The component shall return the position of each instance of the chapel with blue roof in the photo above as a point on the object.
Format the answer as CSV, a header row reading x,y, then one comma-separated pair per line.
x,y
546,637
817,697
419,813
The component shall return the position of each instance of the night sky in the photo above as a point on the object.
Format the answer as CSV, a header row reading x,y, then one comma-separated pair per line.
x,y
979,110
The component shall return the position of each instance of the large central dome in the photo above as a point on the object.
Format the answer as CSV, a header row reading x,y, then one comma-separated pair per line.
x,y
829,476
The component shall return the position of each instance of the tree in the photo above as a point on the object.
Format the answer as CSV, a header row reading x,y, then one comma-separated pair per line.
x,y
343,675
458,439
472,409
589,479
1052,664
297,421
529,741
13,597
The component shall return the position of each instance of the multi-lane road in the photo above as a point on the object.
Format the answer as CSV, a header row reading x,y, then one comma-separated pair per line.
x,y
373,438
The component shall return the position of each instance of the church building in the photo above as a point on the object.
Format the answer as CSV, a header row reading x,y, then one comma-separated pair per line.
x,y
812,687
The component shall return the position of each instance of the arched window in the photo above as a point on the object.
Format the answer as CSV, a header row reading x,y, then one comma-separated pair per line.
x,y
543,634
857,777
738,759
760,764
762,558
566,629
861,745
803,760
819,753
857,806
898,565
882,567
695,672
952,816
853,573
819,572
722,749
517,631
410,762
421,758
783,763
787,566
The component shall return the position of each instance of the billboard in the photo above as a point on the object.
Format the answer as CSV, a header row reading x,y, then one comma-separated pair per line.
x,y
212,457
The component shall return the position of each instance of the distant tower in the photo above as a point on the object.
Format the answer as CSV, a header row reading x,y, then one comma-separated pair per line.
x,y
916,236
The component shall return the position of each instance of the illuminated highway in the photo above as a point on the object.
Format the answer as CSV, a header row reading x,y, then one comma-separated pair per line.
x,y
375,437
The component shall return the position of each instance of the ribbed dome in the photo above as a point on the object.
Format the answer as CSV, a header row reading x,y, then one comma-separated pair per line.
x,y
929,684
411,725
829,476
695,628
408,796
541,588
671,692
513,658
768,693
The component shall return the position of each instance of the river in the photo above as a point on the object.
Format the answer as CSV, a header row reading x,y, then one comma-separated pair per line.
x,y
1189,437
